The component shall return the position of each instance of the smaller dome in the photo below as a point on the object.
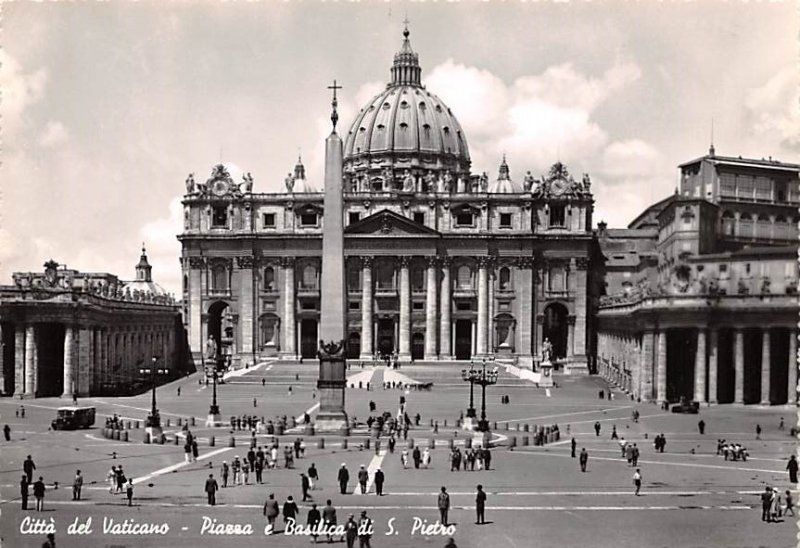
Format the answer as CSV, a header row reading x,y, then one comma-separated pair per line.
x,y
504,184
301,184
144,282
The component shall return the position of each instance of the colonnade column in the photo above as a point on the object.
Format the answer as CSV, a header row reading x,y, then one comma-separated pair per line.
x,y
430,311
661,366
766,368
738,366
792,383
445,350
19,359
289,322
404,334
366,308
31,361
713,350
69,362
483,306
700,367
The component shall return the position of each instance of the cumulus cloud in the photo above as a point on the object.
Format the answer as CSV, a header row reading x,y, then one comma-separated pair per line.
x,y
20,89
773,111
163,248
54,134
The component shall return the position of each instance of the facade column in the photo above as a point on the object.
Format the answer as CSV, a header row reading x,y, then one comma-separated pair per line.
x,y
366,309
483,306
792,383
700,367
430,311
69,362
195,268
31,361
661,367
247,321
19,359
766,366
491,344
3,364
445,348
525,288
289,322
570,336
581,307
405,310
713,360
738,366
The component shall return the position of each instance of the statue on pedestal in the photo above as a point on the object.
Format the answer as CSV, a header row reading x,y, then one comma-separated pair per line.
x,y
547,350
289,182
211,348
248,183
447,182
190,184
528,182
408,182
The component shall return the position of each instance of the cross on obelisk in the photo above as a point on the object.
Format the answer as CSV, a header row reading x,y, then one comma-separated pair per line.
x,y
334,104
333,321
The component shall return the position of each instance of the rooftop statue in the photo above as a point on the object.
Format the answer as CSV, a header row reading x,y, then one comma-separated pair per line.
x,y
289,182
190,186
408,182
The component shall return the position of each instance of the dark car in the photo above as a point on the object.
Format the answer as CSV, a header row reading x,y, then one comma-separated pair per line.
x,y
691,407
72,418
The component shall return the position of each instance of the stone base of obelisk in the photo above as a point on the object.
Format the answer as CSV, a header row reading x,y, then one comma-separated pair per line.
x,y
214,421
331,417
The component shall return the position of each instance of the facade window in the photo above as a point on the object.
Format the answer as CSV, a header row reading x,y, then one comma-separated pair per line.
x,y
463,306
384,276
219,278
354,305
377,185
219,217
505,279
309,277
269,279
464,278
418,305
417,279
505,220
557,215
185,284
308,219
419,217
269,220
465,218
353,217
557,279
353,279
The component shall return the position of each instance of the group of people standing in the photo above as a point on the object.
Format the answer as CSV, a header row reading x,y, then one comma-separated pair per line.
x,y
480,456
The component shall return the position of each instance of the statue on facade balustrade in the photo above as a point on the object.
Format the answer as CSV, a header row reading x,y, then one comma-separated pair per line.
x,y
447,182
587,183
127,294
430,182
702,285
484,182
528,181
765,285
743,288
408,182
289,182
388,179
190,184
247,181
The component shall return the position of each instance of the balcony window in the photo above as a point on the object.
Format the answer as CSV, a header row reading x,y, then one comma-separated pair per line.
x,y
219,278
505,220
269,279
269,220
417,279
464,278
465,218
219,217
353,217
384,276
309,277
505,279
556,215
308,219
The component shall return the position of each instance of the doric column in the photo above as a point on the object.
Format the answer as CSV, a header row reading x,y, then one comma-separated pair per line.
x,y
738,366
31,361
69,361
430,310
19,359
445,349
366,308
700,367
571,338
483,306
713,360
766,366
792,383
289,322
661,367
405,310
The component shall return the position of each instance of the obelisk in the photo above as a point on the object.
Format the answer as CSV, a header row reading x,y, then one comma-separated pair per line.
x,y
331,384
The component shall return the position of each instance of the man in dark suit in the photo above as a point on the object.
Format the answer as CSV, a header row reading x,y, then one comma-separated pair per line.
x,y
584,458
23,491
344,477
379,477
480,505
211,490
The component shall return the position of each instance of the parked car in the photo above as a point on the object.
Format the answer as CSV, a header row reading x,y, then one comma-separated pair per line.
x,y
72,418
691,407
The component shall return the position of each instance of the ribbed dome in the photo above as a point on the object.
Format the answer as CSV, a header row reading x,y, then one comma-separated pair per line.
x,y
406,127
504,184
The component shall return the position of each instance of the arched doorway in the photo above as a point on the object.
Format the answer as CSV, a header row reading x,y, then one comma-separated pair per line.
x,y
417,346
504,325
308,338
555,328
354,346
463,350
269,338
220,327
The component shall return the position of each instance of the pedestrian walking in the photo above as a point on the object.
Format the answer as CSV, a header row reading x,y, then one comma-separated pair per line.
x,y
120,480
38,494
480,505
259,464
487,458
363,477
129,492
583,459
444,505
364,530
789,507
236,468
343,477
7,432
224,473
614,432
289,511
179,391
23,491
271,511
22,411
791,466
312,520
635,461
758,431
426,458
28,467
451,543
195,450
637,481
573,444
701,426
351,531
417,456
211,490
50,542
305,485
313,476
597,428
379,479
766,504
329,518
187,452
77,485
781,426
404,459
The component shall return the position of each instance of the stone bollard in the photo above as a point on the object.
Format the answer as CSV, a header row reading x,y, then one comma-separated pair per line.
x,y
410,444
431,443
146,438
212,441
136,424
527,427
524,441
366,443
116,435
194,421
124,436
494,425
294,422
167,423
179,421
512,442
177,440
163,439
321,443
451,443
518,427
445,422
468,443
127,425
344,443
505,427
232,442
377,446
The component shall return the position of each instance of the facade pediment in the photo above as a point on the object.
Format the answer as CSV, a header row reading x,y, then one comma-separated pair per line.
x,y
389,223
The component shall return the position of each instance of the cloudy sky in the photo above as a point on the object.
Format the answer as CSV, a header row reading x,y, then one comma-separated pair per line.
x,y
106,107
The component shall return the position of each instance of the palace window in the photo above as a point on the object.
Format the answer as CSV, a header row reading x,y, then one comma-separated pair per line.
x,y
556,215
354,305
417,279
353,217
219,278
504,279
219,218
465,218
418,305
353,278
269,279
419,217
269,220
384,275
308,218
464,277
505,220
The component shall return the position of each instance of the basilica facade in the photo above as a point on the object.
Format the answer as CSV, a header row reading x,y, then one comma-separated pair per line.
x,y
441,264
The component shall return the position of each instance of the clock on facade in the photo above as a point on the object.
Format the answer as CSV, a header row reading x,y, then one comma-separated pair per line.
x,y
219,188
558,186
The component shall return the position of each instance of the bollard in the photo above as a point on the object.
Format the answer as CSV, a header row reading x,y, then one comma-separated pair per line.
x,y
146,438
167,422
124,436
431,443
127,425
431,423
211,441
468,443
163,439
527,427
445,422
518,427
116,435
177,440
366,443
136,424
344,443
524,441
294,422
451,443
494,425
232,442
321,443
505,426
410,443
512,442
193,421
377,447
180,421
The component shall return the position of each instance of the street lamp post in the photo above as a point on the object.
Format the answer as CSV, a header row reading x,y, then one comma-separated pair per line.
x,y
214,416
484,378
468,376
153,423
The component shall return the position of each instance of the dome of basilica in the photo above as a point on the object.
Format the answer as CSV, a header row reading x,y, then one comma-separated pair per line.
x,y
406,127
